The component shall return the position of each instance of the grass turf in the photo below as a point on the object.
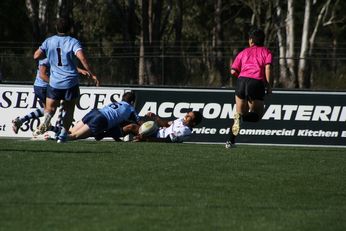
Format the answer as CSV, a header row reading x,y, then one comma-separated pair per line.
x,y
88,185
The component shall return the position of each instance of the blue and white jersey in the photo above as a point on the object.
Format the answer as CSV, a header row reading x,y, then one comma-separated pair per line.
x,y
38,81
177,131
119,112
61,54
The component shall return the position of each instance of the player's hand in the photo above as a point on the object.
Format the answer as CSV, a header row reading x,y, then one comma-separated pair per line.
x,y
138,138
269,90
96,81
84,72
151,115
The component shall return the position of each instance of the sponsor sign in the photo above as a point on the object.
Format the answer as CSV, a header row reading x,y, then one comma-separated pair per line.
x,y
291,117
19,100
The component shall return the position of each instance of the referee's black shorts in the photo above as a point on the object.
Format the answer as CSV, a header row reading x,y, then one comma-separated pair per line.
x,y
250,89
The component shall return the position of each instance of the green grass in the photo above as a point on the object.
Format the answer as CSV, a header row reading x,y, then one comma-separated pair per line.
x,y
90,185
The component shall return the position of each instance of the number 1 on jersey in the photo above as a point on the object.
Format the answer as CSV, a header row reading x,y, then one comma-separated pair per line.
x,y
59,56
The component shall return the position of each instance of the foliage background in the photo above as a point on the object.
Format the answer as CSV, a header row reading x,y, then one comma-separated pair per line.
x,y
178,43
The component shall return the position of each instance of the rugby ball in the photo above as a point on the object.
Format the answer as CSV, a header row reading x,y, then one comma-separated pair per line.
x,y
148,128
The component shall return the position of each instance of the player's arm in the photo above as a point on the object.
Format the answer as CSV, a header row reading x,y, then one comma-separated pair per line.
x,y
268,78
160,122
43,73
39,54
234,73
235,65
88,75
140,138
82,58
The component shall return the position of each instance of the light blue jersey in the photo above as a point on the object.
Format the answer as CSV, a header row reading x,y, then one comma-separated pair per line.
x,y
119,112
38,81
61,54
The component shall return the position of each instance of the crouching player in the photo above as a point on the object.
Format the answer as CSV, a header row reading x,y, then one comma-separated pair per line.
x,y
109,118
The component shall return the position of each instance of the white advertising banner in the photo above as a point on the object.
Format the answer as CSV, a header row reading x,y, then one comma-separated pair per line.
x,y
290,118
19,100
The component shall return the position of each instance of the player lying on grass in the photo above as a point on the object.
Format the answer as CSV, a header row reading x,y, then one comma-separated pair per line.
x,y
174,131
110,117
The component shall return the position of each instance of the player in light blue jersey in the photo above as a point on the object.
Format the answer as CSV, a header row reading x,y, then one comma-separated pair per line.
x,y
110,117
40,90
61,51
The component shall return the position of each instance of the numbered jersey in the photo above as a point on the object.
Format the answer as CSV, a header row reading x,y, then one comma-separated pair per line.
x,y
61,54
119,112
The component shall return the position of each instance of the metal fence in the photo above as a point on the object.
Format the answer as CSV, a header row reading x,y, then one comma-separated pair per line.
x,y
191,64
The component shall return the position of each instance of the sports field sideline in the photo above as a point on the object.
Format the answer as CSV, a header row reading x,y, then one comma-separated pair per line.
x,y
151,186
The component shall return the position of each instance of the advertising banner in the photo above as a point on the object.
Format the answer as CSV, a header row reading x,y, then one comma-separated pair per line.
x,y
19,100
291,117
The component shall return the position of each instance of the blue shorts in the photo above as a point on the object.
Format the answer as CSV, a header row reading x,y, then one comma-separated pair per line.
x,y
115,132
63,94
96,121
41,93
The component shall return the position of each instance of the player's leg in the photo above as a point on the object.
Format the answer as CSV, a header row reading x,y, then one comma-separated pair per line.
x,y
58,124
96,124
17,122
41,94
52,102
70,97
82,133
241,109
51,105
256,110
256,91
67,119
76,127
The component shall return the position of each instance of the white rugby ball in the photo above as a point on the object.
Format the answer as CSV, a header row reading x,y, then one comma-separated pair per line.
x,y
148,128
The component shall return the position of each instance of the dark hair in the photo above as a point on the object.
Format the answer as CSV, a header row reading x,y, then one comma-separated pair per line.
x,y
129,97
198,117
63,25
257,36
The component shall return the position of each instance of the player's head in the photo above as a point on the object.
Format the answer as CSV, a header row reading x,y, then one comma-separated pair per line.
x,y
63,26
257,36
193,118
129,97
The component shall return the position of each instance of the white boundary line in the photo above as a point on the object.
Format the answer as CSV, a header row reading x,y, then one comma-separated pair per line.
x,y
107,139
276,145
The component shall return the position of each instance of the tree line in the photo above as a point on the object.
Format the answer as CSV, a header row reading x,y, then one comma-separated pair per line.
x,y
182,43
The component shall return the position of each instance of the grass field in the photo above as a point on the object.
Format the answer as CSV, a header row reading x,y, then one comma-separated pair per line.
x,y
90,185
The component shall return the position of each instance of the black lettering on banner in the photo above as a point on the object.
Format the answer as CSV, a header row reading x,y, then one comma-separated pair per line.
x,y
25,126
34,124
79,104
22,97
98,100
115,97
6,99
